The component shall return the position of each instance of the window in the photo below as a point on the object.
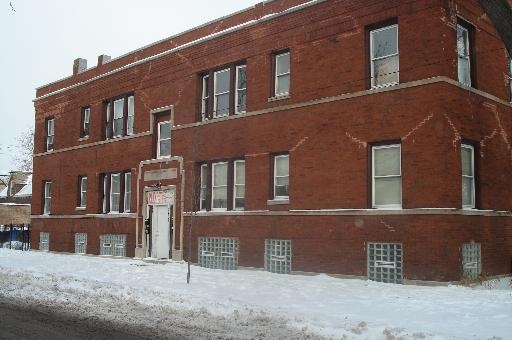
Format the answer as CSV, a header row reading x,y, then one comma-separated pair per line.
x,y
386,176
471,260
202,193
385,262
47,199
281,176
241,89
164,139
278,256
50,132
44,241
384,56
218,253
220,186
228,88
510,76
465,62
113,245
119,116
127,191
468,176
80,243
282,74
86,116
116,192
82,199
239,185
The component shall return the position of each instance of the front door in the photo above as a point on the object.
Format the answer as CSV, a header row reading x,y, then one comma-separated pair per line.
x,y
160,231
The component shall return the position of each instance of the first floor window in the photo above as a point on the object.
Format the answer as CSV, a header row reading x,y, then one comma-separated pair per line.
x,y
384,56
82,181
468,176
127,191
220,186
282,74
164,139
116,192
239,185
47,199
281,176
386,176
202,192
50,132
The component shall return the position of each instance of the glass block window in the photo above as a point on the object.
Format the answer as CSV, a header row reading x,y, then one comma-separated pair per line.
x,y
113,245
385,262
44,241
80,243
471,260
278,256
218,252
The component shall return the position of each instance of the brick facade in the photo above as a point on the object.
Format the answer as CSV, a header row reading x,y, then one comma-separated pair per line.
x,y
327,125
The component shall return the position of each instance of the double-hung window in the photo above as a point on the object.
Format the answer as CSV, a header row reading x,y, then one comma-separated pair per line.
x,y
164,139
50,132
116,192
47,199
384,56
82,198
224,91
119,116
386,176
202,187
127,191
239,185
86,116
468,176
510,76
220,186
282,74
281,176
465,62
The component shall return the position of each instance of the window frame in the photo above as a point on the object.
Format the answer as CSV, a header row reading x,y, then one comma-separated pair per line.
x,y
235,184
82,194
203,187
378,146
50,134
470,50
373,79
127,116
159,140
240,89
47,197
85,122
276,73
471,147
127,194
111,194
510,77
275,176
218,94
105,204
226,186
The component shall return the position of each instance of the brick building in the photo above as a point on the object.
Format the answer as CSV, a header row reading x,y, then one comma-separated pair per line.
x,y
363,138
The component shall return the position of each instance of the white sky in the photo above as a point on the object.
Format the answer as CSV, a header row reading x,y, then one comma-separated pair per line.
x,y
40,40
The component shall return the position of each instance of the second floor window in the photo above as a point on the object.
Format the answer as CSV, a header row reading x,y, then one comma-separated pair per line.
x,y
164,140
47,198
86,116
119,116
82,198
50,132
282,74
464,52
510,77
386,176
384,56
224,92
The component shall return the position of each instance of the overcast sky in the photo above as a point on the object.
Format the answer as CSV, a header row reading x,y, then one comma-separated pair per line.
x,y
41,38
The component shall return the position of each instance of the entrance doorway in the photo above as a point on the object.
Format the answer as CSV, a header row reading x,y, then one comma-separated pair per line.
x,y
161,231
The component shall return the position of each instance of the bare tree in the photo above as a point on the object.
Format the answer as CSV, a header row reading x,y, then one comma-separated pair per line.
x,y
24,150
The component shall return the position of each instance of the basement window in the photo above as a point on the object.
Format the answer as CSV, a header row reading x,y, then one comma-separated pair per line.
x,y
278,256
44,241
385,261
471,260
80,243
113,245
218,253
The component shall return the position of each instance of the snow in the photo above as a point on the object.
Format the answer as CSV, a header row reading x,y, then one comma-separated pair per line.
x,y
27,189
246,304
3,193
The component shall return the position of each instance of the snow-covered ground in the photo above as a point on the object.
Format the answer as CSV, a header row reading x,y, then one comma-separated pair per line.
x,y
246,304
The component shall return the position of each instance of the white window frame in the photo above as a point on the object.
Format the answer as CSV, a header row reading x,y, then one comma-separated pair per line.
x,y
205,96
109,107
131,115
158,155
276,197
466,54
472,177
50,133
85,123
117,117
112,175
235,184
214,165
47,198
127,199
386,206
83,192
240,89
105,193
373,60
215,94
202,186
282,74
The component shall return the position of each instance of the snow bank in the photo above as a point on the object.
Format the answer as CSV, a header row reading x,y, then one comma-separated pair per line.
x,y
254,304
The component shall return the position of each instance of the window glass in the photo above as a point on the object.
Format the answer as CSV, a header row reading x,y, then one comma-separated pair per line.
x,y
85,126
221,88
118,118
387,177
384,56
205,96
115,192
164,139
202,195
131,113
239,189
83,191
219,185
50,131
282,81
385,42
241,89
464,66
47,197
468,177
127,191
281,176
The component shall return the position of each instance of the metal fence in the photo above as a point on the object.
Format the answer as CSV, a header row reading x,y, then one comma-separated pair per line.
x,y
15,236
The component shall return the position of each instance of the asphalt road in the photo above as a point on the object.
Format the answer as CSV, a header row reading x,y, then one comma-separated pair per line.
x,y
19,320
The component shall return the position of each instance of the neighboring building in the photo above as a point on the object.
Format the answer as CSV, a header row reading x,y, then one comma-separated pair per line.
x,y
364,138
15,199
